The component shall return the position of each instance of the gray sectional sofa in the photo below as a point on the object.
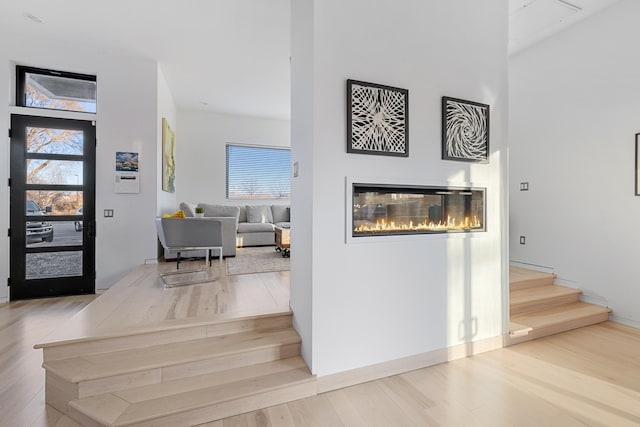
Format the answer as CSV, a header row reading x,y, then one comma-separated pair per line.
x,y
256,224
246,225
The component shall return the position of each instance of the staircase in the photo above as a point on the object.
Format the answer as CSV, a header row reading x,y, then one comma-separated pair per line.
x,y
181,376
539,308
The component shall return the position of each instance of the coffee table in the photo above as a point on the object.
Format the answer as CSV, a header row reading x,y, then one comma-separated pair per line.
x,y
283,242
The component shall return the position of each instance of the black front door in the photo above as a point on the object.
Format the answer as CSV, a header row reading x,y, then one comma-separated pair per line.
x,y
52,207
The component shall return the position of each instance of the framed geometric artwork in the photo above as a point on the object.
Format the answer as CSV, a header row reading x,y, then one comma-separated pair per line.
x,y
377,119
168,158
637,164
465,130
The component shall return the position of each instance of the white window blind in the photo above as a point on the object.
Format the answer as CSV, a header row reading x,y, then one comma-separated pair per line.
x,y
258,172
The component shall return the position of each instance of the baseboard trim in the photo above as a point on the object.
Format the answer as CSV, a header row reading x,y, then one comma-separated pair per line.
x,y
624,320
399,366
4,300
535,267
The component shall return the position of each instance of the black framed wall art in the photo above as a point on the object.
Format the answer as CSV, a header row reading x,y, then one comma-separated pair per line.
x,y
465,130
377,119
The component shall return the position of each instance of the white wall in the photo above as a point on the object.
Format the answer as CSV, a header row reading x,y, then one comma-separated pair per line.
x,y
302,122
376,302
574,110
201,156
126,121
166,109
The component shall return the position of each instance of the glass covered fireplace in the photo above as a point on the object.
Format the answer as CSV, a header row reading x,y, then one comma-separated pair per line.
x,y
392,210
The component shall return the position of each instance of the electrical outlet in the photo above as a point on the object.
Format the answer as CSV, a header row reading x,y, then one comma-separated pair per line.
x,y
522,240
524,186
108,213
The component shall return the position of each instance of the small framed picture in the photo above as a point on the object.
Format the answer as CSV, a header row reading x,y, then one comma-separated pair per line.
x,y
465,130
377,119
637,164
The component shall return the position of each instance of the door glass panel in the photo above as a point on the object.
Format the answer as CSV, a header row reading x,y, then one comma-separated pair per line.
x,y
53,233
65,172
55,141
54,264
53,203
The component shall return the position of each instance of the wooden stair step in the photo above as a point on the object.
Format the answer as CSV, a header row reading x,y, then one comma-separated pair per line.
x,y
178,331
522,278
535,298
518,330
201,399
228,350
558,319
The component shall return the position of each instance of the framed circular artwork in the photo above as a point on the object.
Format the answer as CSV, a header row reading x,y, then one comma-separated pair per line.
x,y
377,119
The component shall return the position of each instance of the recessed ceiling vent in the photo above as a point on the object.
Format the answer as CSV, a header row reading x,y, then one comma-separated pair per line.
x,y
535,16
570,5
34,18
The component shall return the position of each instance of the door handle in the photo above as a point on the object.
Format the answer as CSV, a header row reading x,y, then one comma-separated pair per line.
x,y
91,229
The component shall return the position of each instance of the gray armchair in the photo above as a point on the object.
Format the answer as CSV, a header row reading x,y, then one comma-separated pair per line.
x,y
229,225
178,235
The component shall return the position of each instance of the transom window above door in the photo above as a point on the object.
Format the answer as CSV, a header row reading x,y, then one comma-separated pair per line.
x,y
55,90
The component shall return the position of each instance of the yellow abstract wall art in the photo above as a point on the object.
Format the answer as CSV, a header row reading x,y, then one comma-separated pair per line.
x,y
168,158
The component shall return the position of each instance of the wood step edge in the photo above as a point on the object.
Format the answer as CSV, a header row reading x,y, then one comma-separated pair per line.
x,y
564,309
245,347
522,278
539,298
532,283
111,409
218,378
553,288
518,330
567,325
182,324
126,420
542,293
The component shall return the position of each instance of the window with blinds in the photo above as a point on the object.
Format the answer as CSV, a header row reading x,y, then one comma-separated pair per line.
x,y
258,172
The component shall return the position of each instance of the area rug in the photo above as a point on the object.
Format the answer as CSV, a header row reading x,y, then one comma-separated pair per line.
x,y
259,259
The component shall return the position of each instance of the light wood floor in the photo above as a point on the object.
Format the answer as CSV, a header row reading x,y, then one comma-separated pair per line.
x,y
585,377
23,324
589,376
139,302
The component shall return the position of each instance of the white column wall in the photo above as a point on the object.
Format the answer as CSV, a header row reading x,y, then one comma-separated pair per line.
x,y
574,111
381,301
302,152
126,121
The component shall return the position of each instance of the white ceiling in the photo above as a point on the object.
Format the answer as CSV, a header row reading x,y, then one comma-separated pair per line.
x,y
232,55
229,56
531,21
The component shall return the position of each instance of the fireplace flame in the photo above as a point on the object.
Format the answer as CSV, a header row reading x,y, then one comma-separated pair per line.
x,y
382,226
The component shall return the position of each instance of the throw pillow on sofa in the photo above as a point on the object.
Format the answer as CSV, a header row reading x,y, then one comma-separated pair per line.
x,y
243,214
261,213
220,211
280,213
189,209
